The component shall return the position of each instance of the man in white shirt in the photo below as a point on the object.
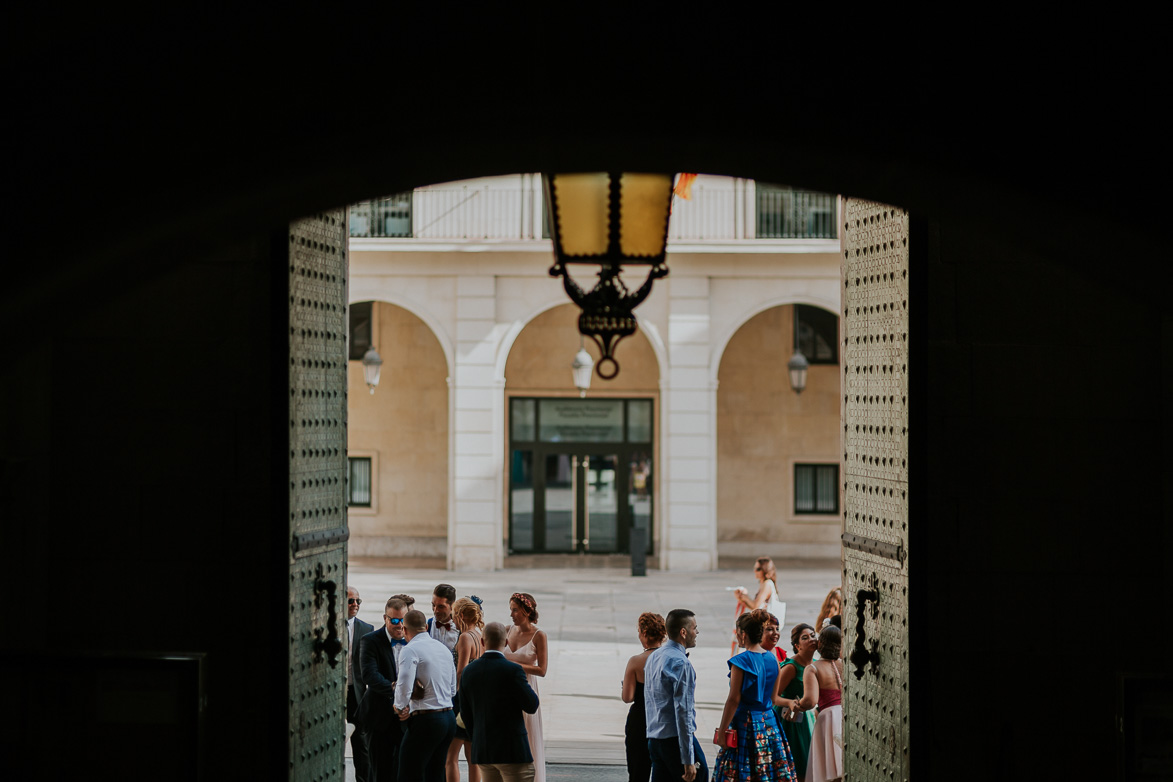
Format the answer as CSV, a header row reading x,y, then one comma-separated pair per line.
x,y
425,665
356,688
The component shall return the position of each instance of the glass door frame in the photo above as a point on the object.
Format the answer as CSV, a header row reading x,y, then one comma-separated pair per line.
x,y
539,450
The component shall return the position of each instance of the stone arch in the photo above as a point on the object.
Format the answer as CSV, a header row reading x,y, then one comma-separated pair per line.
x,y
763,431
722,340
423,313
643,349
404,427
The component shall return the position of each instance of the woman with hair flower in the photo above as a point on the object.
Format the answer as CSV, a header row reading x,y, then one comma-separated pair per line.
x,y
526,645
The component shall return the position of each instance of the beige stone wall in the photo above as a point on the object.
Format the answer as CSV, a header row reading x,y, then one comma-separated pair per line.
x,y
763,429
404,425
539,365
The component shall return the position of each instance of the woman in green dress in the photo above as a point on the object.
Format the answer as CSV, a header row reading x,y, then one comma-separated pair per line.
x,y
804,640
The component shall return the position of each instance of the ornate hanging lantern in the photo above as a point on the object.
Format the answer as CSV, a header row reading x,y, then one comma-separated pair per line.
x,y
609,219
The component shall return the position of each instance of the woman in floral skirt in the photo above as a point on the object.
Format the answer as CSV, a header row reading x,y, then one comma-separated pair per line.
x,y
761,752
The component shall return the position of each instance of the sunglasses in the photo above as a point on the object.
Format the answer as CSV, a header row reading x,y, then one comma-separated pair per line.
x,y
354,601
395,620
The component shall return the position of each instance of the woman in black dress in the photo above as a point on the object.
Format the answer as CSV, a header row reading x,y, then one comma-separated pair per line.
x,y
651,636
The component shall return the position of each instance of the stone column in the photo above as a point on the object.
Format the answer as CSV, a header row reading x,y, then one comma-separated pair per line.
x,y
689,539
474,534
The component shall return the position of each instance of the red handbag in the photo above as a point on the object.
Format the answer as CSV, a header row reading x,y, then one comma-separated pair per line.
x,y
730,738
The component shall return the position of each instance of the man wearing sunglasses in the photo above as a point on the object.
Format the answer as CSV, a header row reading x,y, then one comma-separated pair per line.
x,y
379,653
355,687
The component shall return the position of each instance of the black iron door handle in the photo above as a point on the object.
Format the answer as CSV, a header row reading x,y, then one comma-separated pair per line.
x,y
326,638
861,656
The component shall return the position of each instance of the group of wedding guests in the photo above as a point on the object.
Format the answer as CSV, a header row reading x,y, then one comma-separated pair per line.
x,y
782,719
419,689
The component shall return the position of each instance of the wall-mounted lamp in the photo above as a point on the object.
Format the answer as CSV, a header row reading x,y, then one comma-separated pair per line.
x,y
581,368
797,367
372,366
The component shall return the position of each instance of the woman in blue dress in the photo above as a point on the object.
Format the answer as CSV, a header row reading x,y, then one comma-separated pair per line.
x,y
761,753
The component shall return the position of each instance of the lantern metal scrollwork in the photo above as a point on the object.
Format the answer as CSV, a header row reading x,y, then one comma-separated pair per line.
x,y
609,219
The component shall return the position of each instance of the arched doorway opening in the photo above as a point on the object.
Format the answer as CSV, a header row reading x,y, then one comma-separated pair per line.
x,y
778,460
398,439
580,472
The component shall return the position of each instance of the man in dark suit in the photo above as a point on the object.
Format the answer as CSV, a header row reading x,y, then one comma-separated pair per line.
x,y
355,687
378,654
493,694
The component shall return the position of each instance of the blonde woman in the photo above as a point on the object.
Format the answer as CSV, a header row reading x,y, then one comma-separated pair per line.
x,y
466,612
765,597
832,606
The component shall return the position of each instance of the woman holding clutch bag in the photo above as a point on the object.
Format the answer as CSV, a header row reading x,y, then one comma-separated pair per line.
x,y
752,744
798,726
822,683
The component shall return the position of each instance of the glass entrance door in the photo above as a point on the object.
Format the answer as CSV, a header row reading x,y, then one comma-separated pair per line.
x,y
581,503
600,504
580,475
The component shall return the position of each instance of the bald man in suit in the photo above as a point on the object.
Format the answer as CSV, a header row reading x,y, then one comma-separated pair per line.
x,y
493,694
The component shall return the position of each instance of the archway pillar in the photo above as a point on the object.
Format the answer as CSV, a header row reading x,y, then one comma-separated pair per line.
x,y
688,540
474,523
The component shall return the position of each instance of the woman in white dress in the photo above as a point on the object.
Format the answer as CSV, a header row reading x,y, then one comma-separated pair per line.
x,y
525,644
766,596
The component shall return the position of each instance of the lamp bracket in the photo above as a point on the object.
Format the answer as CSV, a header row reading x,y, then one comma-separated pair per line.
x,y
607,309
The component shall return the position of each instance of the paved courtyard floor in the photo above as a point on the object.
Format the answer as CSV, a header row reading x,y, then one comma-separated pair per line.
x,y
589,616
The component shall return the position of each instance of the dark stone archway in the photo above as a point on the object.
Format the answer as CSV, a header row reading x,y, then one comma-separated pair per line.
x,y
158,164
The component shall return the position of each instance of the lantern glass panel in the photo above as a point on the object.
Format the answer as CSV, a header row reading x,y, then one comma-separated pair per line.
x,y
372,372
644,201
798,379
582,212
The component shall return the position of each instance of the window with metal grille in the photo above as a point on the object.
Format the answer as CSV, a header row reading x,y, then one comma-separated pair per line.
x,y
359,483
816,334
389,216
360,329
787,213
816,488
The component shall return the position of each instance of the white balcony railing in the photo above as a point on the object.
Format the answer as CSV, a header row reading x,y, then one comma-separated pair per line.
x,y
493,212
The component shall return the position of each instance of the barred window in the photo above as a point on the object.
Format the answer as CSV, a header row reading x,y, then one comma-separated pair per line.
x,y
816,334
816,488
359,483
360,329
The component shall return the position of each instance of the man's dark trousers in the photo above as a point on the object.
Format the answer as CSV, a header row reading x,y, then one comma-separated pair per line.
x,y
355,691
666,764
358,739
425,746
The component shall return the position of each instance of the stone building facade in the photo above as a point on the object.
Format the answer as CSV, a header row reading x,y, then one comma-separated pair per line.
x,y
700,437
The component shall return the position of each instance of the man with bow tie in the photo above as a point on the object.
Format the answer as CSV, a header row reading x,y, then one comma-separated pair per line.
x,y
440,626
379,654
670,706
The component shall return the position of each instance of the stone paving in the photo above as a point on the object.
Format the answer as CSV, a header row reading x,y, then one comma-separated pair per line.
x,y
589,615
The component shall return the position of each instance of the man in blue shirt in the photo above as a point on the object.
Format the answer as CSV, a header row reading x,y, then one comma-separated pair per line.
x,y
669,691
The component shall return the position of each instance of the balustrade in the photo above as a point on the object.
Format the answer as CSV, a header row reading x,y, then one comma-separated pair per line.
x,y
715,213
